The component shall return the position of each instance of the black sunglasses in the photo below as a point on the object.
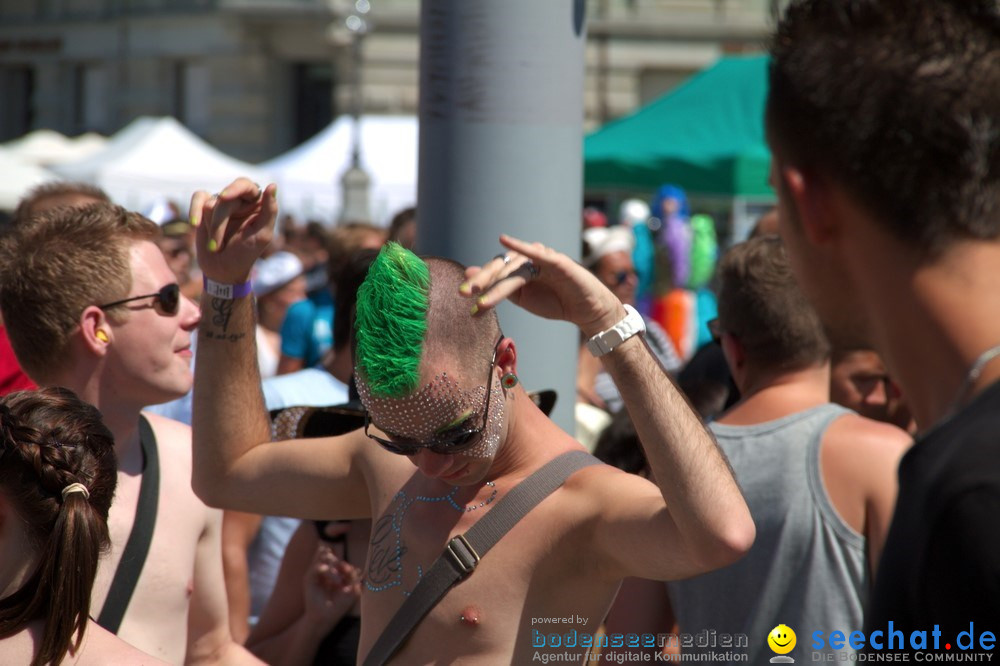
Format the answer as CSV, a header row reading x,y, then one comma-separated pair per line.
x,y
450,441
167,300
621,277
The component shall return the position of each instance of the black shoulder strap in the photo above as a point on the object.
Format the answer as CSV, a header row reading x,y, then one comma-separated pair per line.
x,y
463,552
134,555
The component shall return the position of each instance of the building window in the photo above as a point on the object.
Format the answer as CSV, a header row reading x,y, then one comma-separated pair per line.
x,y
654,83
91,102
192,96
312,97
17,110
79,88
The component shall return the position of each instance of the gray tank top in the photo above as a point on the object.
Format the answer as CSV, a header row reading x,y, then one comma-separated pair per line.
x,y
806,568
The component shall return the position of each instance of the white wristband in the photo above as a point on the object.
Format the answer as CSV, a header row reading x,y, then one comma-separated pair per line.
x,y
606,341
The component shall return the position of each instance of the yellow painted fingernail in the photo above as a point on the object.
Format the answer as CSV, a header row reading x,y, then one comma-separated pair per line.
x,y
194,220
212,245
464,287
274,192
475,309
221,193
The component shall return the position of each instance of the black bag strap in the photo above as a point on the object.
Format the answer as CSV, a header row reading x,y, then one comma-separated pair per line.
x,y
464,551
137,547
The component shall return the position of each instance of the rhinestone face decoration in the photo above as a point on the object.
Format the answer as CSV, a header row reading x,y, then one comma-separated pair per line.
x,y
489,439
439,405
420,415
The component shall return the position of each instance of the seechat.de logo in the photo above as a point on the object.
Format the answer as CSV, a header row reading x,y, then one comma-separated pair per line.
x,y
781,640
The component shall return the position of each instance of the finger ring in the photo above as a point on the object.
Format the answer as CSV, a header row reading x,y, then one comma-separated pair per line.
x,y
504,256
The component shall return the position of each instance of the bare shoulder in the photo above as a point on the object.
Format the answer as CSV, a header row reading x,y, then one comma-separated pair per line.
x,y
605,492
171,436
858,442
99,648
102,648
594,478
173,444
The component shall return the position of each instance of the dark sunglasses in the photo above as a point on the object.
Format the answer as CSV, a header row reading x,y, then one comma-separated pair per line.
x,y
166,301
450,441
621,277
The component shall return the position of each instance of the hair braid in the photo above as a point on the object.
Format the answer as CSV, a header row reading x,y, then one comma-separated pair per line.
x,y
50,439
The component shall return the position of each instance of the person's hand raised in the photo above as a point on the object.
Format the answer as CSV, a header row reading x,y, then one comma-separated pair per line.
x,y
544,282
234,228
330,585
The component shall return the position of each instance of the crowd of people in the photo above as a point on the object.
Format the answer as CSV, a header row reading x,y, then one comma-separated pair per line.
x,y
225,439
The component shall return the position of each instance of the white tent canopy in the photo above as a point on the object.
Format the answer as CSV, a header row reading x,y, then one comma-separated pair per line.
x,y
308,176
156,158
45,147
18,178
87,144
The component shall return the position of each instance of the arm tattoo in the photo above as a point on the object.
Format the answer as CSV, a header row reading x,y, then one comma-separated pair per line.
x,y
222,312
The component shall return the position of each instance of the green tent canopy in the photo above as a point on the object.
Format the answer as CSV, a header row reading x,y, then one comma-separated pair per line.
x,y
707,136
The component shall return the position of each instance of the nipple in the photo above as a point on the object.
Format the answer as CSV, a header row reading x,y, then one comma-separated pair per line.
x,y
469,616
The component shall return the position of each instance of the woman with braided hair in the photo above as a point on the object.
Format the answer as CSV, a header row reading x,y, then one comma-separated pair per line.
x,y
57,479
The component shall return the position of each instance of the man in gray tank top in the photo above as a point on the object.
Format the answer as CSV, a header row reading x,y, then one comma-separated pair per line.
x,y
819,479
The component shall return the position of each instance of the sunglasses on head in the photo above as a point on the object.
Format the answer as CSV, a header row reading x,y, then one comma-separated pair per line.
x,y
451,440
166,301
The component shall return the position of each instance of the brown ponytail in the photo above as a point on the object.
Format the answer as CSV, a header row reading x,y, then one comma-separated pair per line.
x,y
50,440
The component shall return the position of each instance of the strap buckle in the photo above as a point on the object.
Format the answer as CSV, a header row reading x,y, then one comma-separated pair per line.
x,y
463,555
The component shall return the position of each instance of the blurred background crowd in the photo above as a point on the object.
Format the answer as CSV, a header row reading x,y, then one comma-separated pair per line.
x,y
140,102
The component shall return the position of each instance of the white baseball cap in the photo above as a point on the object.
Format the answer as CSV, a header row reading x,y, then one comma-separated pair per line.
x,y
273,272
602,241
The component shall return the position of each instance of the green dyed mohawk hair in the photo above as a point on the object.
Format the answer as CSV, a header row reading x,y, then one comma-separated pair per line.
x,y
391,321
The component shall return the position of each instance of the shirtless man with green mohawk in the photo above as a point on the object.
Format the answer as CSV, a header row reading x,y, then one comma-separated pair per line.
x,y
450,435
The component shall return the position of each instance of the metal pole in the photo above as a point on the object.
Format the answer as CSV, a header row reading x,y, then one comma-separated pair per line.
x,y
501,136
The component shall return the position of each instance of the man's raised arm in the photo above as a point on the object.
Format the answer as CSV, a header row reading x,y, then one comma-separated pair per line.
x,y
235,467
229,417
707,511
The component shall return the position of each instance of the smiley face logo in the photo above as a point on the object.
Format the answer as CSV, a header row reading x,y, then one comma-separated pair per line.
x,y
781,639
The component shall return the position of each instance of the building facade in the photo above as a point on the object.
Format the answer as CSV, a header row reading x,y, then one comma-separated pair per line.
x,y
256,77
